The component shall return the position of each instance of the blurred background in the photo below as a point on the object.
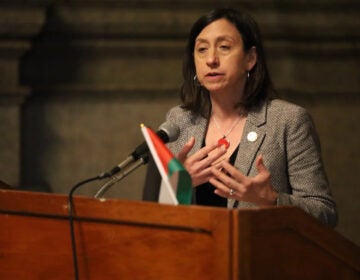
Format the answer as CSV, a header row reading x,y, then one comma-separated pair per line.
x,y
78,77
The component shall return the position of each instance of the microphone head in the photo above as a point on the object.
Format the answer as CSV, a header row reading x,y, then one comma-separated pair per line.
x,y
168,132
172,131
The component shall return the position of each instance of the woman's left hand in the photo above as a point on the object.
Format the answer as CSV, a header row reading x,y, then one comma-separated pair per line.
x,y
231,183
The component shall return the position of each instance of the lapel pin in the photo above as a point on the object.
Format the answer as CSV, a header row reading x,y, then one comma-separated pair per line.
x,y
252,136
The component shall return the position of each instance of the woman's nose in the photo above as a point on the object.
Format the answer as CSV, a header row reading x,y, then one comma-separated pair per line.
x,y
212,59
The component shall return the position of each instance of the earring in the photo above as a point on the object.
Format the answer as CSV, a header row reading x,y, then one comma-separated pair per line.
x,y
196,81
248,74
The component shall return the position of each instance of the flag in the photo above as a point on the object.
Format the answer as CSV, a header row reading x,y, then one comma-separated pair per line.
x,y
176,181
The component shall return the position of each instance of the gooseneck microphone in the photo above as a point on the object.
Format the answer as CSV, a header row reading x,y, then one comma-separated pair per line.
x,y
168,132
121,175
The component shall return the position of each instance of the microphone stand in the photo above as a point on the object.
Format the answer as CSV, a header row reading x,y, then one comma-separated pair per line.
x,y
100,193
116,178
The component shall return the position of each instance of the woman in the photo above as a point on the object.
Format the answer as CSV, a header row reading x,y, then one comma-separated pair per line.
x,y
241,147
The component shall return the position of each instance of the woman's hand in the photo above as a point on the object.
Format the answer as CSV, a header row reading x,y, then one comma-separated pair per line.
x,y
199,164
231,183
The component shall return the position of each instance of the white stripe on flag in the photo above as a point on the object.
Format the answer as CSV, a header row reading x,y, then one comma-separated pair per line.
x,y
171,198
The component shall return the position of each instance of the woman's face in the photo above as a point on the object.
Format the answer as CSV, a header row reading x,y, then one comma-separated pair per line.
x,y
220,60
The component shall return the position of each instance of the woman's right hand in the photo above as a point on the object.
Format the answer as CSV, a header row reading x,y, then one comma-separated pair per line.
x,y
200,163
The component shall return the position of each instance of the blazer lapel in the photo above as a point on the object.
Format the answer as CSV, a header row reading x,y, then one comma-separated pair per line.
x,y
198,130
252,139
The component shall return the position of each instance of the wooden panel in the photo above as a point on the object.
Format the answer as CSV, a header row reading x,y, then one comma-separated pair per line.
x,y
114,239
287,243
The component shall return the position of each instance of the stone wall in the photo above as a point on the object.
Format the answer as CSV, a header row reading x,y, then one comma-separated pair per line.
x,y
78,77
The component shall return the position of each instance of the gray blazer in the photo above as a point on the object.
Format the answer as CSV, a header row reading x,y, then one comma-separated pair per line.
x,y
286,137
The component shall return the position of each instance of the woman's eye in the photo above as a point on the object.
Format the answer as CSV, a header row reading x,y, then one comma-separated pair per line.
x,y
225,47
201,50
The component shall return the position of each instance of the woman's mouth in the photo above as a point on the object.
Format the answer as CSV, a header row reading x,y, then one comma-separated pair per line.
x,y
213,74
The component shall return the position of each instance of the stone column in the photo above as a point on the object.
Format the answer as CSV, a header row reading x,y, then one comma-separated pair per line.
x,y
19,23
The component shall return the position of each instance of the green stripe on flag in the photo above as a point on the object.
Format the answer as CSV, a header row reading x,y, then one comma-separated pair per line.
x,y
181,179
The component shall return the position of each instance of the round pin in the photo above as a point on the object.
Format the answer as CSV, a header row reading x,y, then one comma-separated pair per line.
x,y
252,136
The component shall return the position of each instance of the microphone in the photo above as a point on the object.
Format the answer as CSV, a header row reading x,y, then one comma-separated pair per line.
x,y
168,132
116,178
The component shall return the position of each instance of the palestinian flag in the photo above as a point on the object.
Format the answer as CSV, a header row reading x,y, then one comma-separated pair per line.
x,y
175,178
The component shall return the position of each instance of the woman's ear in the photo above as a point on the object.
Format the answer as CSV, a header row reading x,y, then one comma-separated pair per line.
x,y
251,57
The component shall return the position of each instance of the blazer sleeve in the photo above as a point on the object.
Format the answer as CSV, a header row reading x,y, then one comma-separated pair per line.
x,y
307,178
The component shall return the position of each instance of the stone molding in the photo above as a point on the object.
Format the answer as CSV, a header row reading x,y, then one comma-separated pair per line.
x,y
100,35
20,22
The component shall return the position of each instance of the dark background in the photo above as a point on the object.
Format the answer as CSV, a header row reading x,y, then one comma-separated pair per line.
x,y
78,77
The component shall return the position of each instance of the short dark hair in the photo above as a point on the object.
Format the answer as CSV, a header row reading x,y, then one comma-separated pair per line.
x,y
196,98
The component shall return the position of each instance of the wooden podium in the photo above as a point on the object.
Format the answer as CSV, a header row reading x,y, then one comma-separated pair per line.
x,y
118,239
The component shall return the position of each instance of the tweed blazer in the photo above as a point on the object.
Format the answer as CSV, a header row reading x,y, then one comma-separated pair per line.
x,y
286,138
